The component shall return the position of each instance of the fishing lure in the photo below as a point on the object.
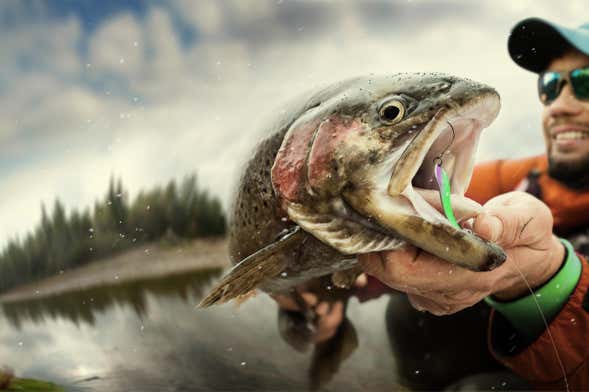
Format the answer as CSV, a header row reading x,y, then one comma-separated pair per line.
x,y
444,184
445,192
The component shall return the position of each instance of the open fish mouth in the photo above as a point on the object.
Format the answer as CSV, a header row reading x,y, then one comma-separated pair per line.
x,y
409,205
451,142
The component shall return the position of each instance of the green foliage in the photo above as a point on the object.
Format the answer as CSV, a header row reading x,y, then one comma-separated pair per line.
x,y
61,242
30,385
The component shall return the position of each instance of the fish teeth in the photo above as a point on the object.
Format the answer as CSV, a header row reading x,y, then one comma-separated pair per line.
x,y
571,135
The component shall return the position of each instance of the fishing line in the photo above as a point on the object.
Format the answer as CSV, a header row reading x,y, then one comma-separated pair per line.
x,y
445,197
564,375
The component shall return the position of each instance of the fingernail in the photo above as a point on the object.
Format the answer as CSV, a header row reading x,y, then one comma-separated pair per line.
x,y
495,227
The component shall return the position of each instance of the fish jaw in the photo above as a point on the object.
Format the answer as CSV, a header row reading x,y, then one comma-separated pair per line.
x,y
435,236
409,210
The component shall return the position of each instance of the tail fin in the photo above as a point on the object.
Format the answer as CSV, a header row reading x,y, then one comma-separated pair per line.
x,y
252,270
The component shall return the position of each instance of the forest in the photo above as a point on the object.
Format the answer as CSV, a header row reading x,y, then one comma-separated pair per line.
x,y
62,241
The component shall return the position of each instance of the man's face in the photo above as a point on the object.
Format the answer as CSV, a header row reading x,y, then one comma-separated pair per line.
x,y
566,126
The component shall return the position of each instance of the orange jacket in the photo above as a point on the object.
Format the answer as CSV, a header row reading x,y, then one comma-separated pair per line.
x,y
538,361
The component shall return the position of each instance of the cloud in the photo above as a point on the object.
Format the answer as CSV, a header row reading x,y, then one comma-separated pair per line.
x,y
134,98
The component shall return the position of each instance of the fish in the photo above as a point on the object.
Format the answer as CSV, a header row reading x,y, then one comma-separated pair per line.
x,y
349,169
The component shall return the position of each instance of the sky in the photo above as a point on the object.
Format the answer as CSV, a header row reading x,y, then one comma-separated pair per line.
x,y
149,91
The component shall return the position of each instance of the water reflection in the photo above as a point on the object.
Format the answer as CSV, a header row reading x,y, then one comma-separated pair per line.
x,y
148,336
80,306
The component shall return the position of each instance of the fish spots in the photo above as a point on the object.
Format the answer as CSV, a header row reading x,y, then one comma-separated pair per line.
x,y
373,157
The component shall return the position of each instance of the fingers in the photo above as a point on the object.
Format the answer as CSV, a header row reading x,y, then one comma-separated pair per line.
x,y
432,284
329,320
415,272
423,304
463,207
361,281
514,218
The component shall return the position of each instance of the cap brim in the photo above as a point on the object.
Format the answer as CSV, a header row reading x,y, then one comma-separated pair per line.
x,y
534,42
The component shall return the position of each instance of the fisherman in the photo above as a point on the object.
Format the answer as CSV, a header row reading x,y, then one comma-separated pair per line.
x,y
536,232
544,231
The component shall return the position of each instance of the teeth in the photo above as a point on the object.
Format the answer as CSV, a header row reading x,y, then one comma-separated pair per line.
x,y
572,135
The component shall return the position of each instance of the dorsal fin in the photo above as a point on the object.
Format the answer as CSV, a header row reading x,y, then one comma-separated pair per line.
x,y
254,269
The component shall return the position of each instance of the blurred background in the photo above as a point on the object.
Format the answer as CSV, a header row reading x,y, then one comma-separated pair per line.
x,y
148,91
113,107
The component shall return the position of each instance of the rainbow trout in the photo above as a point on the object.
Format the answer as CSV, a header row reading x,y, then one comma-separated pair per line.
x,y
351,170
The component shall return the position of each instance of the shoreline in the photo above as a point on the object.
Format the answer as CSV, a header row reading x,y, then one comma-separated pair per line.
x,y
145,261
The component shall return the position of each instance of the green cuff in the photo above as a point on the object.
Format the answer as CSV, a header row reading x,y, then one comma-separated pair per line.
x,y
525,313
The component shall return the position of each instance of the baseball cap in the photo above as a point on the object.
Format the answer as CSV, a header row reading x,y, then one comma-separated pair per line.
x,y
534,42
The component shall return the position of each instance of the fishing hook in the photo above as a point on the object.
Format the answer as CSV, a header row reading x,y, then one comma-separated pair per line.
x,y
438,159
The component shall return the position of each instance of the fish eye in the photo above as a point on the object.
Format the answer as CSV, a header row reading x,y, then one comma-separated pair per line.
x,y
391,111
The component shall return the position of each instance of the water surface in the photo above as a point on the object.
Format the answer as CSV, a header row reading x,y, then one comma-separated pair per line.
x,y
149,336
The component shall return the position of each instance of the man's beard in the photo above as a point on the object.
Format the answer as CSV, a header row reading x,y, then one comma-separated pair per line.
x,y
572,174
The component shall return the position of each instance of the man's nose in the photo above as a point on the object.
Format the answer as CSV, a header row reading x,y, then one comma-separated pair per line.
x,y
566,103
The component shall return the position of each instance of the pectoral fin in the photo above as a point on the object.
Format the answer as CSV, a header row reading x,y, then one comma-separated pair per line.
x,y
257,267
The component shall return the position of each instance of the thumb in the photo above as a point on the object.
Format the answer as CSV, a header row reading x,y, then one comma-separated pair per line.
x,y
514,218
489,227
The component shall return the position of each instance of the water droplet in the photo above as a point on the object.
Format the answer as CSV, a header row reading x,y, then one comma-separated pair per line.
x,y
146,251
573,320
504,383
91,230
538,295
284,274
558,286
243,363
417,372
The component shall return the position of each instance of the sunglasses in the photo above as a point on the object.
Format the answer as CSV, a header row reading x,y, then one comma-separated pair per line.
x,y
550,84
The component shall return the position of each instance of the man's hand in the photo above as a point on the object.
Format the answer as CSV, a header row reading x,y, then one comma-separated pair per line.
x,y
516,221
329,315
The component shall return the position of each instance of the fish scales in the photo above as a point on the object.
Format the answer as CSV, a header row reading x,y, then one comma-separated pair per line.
x,y
347,171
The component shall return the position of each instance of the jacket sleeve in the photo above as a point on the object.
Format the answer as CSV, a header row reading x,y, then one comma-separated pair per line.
x,y
562,349
493,178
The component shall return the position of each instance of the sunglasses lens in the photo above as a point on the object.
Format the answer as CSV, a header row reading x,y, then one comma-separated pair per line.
x,y
548,86
580,82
